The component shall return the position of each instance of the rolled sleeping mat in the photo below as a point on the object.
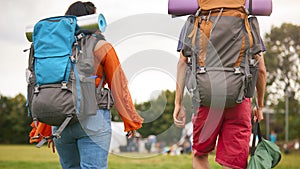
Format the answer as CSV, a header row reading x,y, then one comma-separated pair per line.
x,y
190,7
259,7
87,22
182,7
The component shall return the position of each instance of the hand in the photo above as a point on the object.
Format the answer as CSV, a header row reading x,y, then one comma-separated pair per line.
x,y
179,116
258,114
131,133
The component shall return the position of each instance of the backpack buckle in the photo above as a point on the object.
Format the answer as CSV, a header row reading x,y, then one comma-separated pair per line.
x,y
36,89
237,70
73,59
198,12
249,77
252,62
202,70
80,36
55,135
64,85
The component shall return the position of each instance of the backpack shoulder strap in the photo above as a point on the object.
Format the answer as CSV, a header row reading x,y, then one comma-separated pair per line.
x,y
100,40
31,58
99,36
102,81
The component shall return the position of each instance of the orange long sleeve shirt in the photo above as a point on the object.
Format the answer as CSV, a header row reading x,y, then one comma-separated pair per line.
x,y
107,60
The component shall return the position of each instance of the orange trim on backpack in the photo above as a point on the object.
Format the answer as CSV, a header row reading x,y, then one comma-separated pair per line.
x,y
205,29
242,51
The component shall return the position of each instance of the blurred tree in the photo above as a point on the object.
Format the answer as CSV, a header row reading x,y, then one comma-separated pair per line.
x,y
5,109
158,117
14,122
282,60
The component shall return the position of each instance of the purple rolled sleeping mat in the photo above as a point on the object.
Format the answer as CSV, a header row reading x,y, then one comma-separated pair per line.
x,y
188,7
259,7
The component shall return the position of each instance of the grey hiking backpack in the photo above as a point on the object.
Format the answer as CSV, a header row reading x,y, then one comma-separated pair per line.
x,y
220,44
60,74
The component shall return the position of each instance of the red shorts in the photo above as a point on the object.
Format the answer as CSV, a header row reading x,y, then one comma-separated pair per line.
x,y
232,128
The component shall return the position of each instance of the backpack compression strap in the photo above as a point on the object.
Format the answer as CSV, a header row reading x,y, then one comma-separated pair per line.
x,y
57,133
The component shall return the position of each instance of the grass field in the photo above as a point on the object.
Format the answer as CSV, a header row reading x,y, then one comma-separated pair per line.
x,y
30,157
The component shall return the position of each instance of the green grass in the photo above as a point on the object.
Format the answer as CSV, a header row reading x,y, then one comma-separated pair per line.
x,y
30,157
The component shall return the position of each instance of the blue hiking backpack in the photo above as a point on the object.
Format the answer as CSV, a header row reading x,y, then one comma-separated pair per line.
x,y
61,81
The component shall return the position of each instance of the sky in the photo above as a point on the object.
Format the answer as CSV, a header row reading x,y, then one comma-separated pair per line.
x,y
144,82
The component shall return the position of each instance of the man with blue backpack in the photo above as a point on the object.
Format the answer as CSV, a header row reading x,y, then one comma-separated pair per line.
x,y
70,68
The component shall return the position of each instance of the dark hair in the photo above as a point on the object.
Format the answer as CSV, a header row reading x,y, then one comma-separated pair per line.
x,y
81,8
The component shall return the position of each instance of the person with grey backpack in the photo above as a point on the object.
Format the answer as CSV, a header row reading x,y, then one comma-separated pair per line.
x,y
221,63
88,146
75,78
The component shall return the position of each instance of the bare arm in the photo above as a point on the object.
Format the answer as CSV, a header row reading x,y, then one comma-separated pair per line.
x,y
260,87
179,114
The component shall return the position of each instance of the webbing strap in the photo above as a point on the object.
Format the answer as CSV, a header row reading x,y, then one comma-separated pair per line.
x,y
226,69
245,79
217,19
102,81
57,133
63,126
108,102
193,34
241,92
194,91
247,68
248,29
42,142
77,87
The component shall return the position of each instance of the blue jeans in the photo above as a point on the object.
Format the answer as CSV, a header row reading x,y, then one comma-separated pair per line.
x,y
85,144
